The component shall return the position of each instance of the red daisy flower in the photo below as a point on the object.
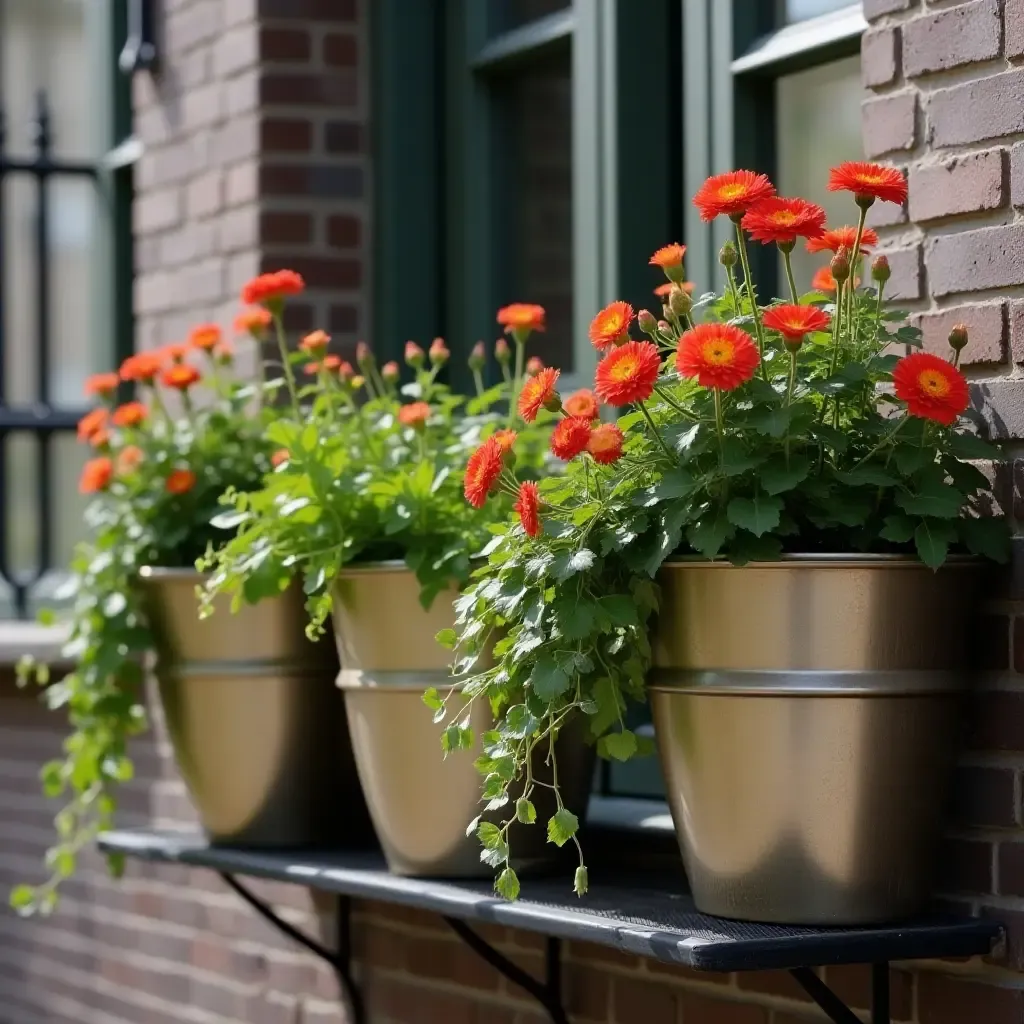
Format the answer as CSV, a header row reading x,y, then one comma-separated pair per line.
x,y
141,367
732,194
611,325
280,457
96,475
783,220
482,472
271,289
506,438
414,415
521,316
718,355
933,388
92,423
255,321
131,414
570,437
315,344
628,373
834,238
794,322
204,336
539,393
180,481
102,384
582,403
606,443
528,508
868,182
181,376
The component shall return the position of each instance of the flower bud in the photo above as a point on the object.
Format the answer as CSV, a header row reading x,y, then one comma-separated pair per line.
x,y
958,337
840,265
793,344
357,382
646,322
727,255
665,327
680,302
390,373
346,373
439,354
534,365
880,271
364,357
502,352
477,357
413,355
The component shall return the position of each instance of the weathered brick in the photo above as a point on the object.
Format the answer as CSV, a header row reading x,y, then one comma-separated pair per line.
x,y
1001,404
986,328
343,231
877,8
635,999
277,43
321,271
157,211
946,1000
774,983
286,228
951,37
964,184
889,123
339,89
879,56
205,194
964,866
343,137
308,10
701,1009
852,983
1013,28
976,110
905,266
976,260
340,50
286,135
326,181
236,49
343,319
1017,174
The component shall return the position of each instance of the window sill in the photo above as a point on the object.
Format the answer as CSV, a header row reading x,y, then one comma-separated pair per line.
x,y
18,639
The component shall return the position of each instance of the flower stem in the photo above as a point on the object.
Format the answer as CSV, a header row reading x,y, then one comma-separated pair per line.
x,y
748,279
285,364
854,266
665,397
654,430
789,273
720,428
517,380
885,440
478,381
789,396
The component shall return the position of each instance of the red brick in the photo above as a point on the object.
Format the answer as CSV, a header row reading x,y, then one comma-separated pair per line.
x,y
976,110
330,90
986,327
587,993
774,983
343,319
963,34
286,228
852,983
343,137
1011,869
324,181
984,797
1013,28
340,50
286,135
905,265
877,8
965,184
320,271
700,1009
285,44
1017,174
976,260
965,865
879,56
889,123
946,1000
641,1000
343,231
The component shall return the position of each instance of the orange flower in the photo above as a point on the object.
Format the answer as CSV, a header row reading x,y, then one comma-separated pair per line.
x,y
96,475
663,291
831,240
606,443
668,256
175,352
100,438
534,365
868,182
521,316
732,194
570,437
482,472
315,344
611,325
180,376
783,220
718,355
582,403
794,322
528,508
102,384
414,415
131,414
345,371
255,321
823,281
92,422
331,362
933,388
205,337
180,481
141,367
224,353
271,289
628,373
128,459
279,458
539,393
506,438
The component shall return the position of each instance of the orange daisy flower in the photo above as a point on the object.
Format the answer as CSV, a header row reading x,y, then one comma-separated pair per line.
x,y
128,459
175,352
506,438
180,376
96,475
794,322
315,343
611,325
868,182
663,291
668,256
528,508
538,393
205,337
846,236
732,194
823,281
345,371
570,437
582,403
501,351
522,316
414,415
131,414
92,422
102,384
482,472
100,438
628,373
254,321
271,289
718,355
783,220
180,481
331,362
605,443
280,457
141,367
933,388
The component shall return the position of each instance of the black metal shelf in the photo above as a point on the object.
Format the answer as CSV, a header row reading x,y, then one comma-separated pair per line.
x,y
649,917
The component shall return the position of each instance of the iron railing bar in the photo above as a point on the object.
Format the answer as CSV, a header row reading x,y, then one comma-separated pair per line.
x,y
45,168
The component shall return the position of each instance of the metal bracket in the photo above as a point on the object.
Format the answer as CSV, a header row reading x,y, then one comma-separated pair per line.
x,y
340,959
836,1010
548,993
139,52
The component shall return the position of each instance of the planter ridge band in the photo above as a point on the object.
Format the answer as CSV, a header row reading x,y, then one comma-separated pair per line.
x,y
650,919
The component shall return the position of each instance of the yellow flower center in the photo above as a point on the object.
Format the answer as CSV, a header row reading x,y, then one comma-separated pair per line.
x,y
733,191
933,383
783,218
718,352
623,369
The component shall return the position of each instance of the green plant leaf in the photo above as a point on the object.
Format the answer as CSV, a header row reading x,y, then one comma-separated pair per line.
x,y
620,609
548,679
708,535
912,459
519,722
432,699
620,746
898,528
776,477
507,885
758,514
562,826
969,446
988,536
568,563
772,420
576,618
932,539
736,459
447,638
525,811
933,499
490,835
869,475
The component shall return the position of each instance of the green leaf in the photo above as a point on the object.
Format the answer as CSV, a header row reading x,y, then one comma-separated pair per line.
x,y
447,638
675,484
773,420
490,835
620,746
507,885
519,722
758,514
562,826
987,536
568,563
576,618
933,499
708,535
867,475
432,699
581,880
609,706
548,679
736,459
776,477
932,539
970,446
911,459
620,609
525,811
22,899
745,547
898,528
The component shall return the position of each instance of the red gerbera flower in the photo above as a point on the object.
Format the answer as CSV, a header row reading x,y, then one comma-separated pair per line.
x,y
606,443
414,415
131,414
582,403
482,472
128,458
933,388
521,316
102,384
141,367
315,343
506,438
181,376
718,355
271,289
528,508
628,373
96,475
204,336
570,437
180,481
868,182
783,220
732,194
539,393
834,238
255,321
611,325
280,457
92,422
794,322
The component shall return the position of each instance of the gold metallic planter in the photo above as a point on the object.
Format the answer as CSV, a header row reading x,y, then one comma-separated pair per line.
x,y
254,718
420,801
805,714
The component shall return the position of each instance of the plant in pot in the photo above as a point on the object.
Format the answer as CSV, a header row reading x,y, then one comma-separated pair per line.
x,y
792,490
368,504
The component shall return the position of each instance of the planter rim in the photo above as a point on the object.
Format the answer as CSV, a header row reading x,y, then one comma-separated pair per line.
x,y
159,572
366,568
830,561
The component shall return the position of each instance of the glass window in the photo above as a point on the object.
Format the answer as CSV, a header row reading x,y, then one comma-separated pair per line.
x,y
504,15
801,10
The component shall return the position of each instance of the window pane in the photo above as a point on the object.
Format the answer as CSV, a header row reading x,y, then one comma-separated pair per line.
x,y
504,15
818,118
534,201
801,10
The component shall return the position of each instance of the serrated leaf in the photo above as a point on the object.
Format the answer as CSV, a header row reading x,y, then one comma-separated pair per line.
x,y
432,699
898,528
519,722
776,477
875,476
620,609
562,826
939,500
911,459
675,484
736,459
970,446
568,563
489,835
447,638
772,421
620,746
987,536
758,514
507,885
548,680
932,539
708,535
